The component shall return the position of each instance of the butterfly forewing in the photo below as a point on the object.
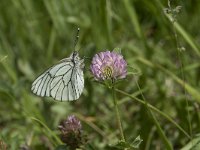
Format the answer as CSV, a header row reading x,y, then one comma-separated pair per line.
x,y
64,81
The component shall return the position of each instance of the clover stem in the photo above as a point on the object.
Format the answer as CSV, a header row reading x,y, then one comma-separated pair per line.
x,y
117,113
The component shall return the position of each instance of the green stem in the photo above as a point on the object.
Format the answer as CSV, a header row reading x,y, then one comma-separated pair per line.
x,y
117,113
178,46
156,110
56,140
159,129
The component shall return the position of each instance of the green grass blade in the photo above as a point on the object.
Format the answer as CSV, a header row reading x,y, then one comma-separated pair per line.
x,y
185,85
49,131
188,38
133,16
156,110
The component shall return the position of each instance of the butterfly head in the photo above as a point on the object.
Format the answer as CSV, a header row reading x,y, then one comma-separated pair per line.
x,y
75,57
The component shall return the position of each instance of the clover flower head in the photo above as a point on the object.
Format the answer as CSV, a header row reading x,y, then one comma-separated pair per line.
x,y
71,131
71,124
108,65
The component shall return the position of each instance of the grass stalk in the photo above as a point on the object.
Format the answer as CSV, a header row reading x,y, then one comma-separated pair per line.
x,y
117,113
157,111
159,129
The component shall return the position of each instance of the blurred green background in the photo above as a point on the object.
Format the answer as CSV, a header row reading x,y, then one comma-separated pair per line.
x,y
36,34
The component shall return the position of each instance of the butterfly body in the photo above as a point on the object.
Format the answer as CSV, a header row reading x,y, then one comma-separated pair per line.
x,y
63,81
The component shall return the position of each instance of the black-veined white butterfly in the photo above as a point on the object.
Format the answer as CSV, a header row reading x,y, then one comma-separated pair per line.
x,y
63,81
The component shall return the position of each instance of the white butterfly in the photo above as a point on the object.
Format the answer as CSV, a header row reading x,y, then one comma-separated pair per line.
x,y
63,81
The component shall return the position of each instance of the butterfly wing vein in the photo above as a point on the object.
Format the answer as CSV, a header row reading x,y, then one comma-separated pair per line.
x,y
63,82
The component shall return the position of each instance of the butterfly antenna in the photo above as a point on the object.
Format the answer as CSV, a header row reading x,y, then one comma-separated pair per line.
x,y
76,39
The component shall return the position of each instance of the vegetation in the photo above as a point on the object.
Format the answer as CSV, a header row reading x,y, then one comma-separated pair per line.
x,y
159,99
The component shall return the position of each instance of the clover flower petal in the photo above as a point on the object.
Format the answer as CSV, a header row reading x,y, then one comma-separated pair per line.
x,y
108,65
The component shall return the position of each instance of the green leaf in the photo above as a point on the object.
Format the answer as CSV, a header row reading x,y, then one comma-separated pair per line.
x,y
136,143
121,145
194,144
49,131
117,50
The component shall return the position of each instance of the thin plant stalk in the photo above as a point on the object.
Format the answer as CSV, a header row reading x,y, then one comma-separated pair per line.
x,y
157,111
178,48
117,113
160,131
